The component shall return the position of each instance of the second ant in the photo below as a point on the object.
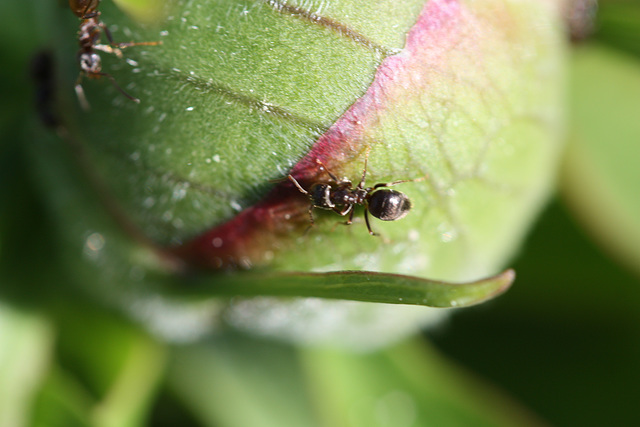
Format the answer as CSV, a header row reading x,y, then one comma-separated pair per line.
x,y
89,35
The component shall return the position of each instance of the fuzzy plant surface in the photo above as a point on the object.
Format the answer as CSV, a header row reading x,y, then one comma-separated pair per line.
x,y
176,196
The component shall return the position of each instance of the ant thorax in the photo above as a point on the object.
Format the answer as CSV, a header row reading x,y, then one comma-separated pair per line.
x,y
340,194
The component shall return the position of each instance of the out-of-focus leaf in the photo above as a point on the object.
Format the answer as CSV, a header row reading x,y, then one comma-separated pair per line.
x,y
236,382
63,401
26,340
233,381
405,385
601,174
618,24
120,365
107,373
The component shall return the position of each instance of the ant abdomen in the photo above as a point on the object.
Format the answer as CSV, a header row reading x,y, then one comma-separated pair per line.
x,y
388,205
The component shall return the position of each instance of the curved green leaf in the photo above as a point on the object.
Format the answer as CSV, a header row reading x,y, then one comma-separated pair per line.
x,y
355,285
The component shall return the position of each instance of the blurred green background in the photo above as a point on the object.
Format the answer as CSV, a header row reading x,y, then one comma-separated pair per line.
x,y
564,342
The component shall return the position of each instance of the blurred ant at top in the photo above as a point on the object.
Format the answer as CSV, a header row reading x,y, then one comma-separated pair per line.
x,y
340,196
89,34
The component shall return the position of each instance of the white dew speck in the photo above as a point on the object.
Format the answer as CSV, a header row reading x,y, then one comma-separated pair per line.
x,y
216,158
135,156
167,216
93,244
235,205
162,117
179,193
131,62
189,109
164,33
148,202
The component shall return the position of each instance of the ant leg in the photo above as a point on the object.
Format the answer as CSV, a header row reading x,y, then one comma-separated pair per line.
x,y
129,44
332,176
297,184
364,171
113,81
312,222
108,49
366,219
113,48
80,93
350,220
344,211
125,44
389,184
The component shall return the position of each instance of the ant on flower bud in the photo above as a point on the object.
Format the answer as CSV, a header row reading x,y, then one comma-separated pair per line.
x,y
91,29
340,196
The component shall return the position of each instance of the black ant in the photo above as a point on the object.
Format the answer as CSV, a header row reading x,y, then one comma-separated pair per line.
x,y
340,196
89,34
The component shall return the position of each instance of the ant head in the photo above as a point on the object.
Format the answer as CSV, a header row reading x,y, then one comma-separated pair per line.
x,y
388,205
82,8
